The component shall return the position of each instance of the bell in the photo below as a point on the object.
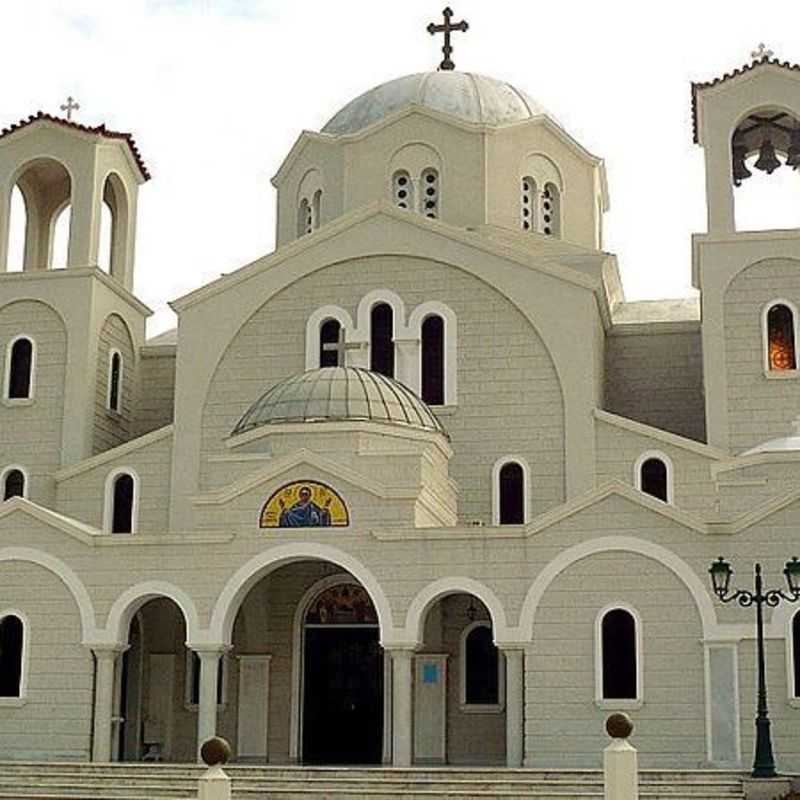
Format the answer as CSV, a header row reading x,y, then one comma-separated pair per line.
x,y
767,161
740,171
793,153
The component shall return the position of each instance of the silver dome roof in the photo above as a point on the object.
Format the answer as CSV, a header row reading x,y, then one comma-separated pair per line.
x,y
336,394
470,97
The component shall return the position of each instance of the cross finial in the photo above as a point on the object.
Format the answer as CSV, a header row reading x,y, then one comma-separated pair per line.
x,y
70,106
340,347
447,28
762,53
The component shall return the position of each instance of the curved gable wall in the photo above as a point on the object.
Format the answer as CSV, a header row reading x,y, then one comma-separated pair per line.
x,y
500,410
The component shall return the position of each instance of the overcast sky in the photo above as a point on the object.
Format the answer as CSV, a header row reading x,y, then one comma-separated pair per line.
x,y
216,91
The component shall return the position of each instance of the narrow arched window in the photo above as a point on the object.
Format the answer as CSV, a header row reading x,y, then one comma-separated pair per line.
x,y
619,657
12,633
780,336
551,210
429,186
433,360
14,484
381,351
115,382
20,369
316,209
511,492
654,478
528,209
328,338
122,502
402,190
481,665
796,652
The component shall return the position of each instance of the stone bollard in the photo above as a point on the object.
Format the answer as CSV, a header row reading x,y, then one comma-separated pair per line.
x,y
215,784
620,766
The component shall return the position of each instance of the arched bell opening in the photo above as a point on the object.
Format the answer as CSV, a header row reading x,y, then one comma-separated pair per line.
x,y
765,170
459,704
40,195
307,676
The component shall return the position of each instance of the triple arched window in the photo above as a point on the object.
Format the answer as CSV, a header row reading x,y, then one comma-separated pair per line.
x,y
780,336
618,657
421,195
653,475
12,656
114,392
13,483
510,490
482,670
20,369
121,501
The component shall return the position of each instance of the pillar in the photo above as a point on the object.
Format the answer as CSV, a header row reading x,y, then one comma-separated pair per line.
x,y
5,225
515,706
106,658
402,719
207,701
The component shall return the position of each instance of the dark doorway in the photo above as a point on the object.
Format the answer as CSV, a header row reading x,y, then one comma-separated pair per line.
x,y
343,696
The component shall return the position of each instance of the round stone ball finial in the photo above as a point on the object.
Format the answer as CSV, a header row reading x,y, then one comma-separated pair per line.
x,y
619,726
215,751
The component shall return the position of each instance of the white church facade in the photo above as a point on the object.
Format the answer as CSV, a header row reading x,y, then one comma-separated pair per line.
x,y
418,487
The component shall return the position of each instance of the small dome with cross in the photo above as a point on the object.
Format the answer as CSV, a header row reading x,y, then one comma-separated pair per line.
x,y
468,97
339,394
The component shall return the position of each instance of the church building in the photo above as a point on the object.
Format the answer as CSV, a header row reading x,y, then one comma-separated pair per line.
x,y
420,486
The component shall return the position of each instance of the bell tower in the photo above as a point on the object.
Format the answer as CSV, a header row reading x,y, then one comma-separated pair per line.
x,y
747,122
78,323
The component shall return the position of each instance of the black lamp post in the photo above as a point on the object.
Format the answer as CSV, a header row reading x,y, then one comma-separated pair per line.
x,y
721,574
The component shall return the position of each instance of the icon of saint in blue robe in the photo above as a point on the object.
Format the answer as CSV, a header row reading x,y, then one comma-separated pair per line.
x,y
305,513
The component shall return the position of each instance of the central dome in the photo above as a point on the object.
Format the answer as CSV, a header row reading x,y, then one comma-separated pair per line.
x,y
470,97
335,394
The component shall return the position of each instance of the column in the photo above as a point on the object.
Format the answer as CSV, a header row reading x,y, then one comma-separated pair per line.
x,y
106,658
207,701
515,706
402,720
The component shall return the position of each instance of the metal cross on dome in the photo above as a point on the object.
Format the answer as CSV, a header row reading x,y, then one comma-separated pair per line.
x,y
341,346
70,106
762,53
447,28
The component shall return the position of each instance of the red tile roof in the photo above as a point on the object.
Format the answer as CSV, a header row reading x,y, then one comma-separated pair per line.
x,y
99,130
698,87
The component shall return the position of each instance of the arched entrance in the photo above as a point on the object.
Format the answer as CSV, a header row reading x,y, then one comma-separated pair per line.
x,y
342,677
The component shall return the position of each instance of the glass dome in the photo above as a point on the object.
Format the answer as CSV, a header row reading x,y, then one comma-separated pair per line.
x,y
334,394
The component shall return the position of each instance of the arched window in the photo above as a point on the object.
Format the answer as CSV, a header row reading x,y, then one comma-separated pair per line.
x,y
105,254
795,634
780,324
329,334
13,483
18,223
21,357
381,351
528,210
61,236
114,398
433,360
551,210
481,665
429,202
619,657
654,478
12,640
511,494
402,190
121,502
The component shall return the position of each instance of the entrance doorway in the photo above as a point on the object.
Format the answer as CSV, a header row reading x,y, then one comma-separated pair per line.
x,y
343,694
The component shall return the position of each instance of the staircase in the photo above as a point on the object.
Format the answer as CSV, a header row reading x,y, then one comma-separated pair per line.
x,y
89,781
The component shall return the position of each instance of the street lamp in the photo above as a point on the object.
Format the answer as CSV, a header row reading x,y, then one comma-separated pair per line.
x,y
721,574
